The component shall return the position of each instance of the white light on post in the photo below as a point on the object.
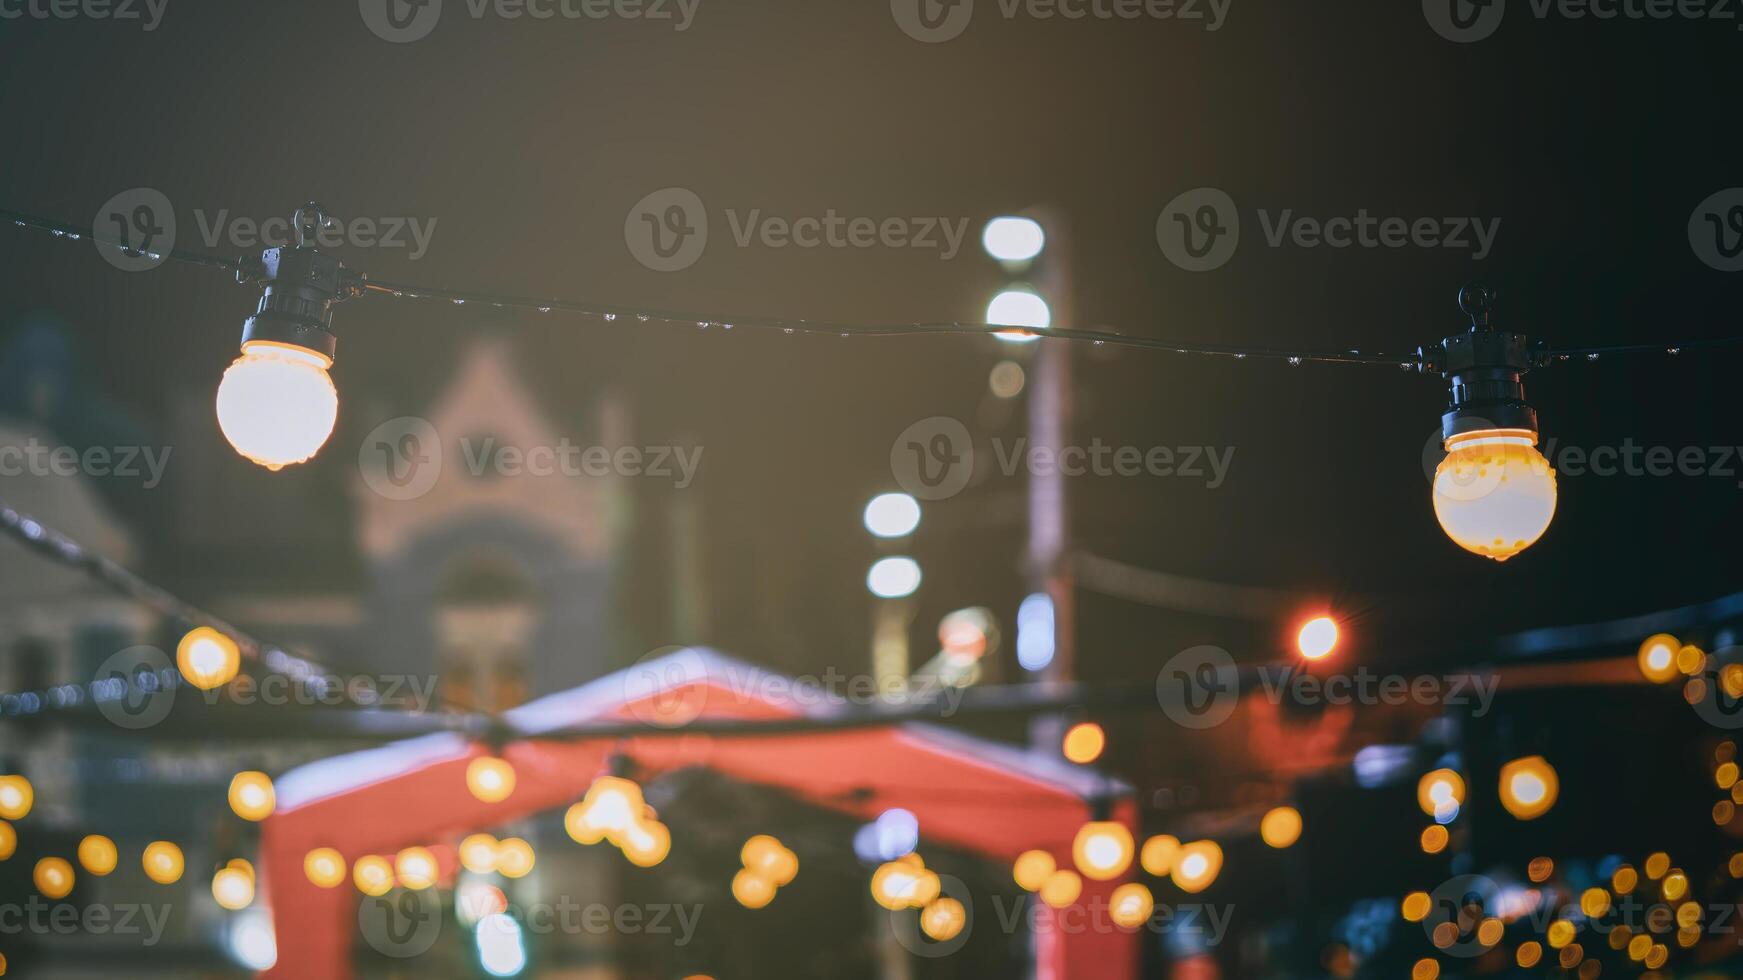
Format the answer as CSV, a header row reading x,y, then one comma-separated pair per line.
x,y
892,515
894,578
1013,239
1018,308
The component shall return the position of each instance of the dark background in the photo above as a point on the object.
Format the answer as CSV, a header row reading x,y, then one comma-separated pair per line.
x,y
529,142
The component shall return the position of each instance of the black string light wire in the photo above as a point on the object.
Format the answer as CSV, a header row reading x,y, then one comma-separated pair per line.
x,y
1414,360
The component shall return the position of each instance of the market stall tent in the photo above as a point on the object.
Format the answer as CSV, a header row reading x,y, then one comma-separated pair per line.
x,y
414,793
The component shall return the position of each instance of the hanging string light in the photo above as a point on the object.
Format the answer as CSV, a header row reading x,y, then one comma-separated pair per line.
x,y
98,855
324,867
373,875
233,889
415,868
515,858
8,841
163,862
1197,866
53,878
490,779
1102,850
478,853
207,658
1032,869
1529,787
252,796
1159,854
17,796
1131,905
942,919
1494,495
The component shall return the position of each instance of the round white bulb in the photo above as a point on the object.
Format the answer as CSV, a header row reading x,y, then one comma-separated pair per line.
x,y
1018,308
1494,494
1010,239
276,404
893,578
892,515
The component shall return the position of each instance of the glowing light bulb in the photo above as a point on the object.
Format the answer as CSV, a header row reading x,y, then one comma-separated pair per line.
x,y
489,779
276,404
1197,865
1084,742
1318,637
1281,827
611,807
252,796
163,862
1529,787
892,515
647,843
1658,658
324,867
752,890
943,919
1102,850
1018,308
415,868
893,578
895,884
373,875
1440,793
53,878
1032,870
8,841
233,889
478,854
1013,239
514,858
1062,889
1494,493
1131,905
97,854
207,658
16,797
1159,853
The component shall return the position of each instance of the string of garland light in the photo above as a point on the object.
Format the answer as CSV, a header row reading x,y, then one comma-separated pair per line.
x,y
1494,493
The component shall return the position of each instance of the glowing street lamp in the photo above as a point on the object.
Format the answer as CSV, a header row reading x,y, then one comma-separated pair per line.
x,y
1529,787
1013,240
892,515
1102,850
1018,308
1317,638
894,578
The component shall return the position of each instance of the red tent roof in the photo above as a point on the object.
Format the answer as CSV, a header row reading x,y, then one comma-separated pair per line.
x,y
980,796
